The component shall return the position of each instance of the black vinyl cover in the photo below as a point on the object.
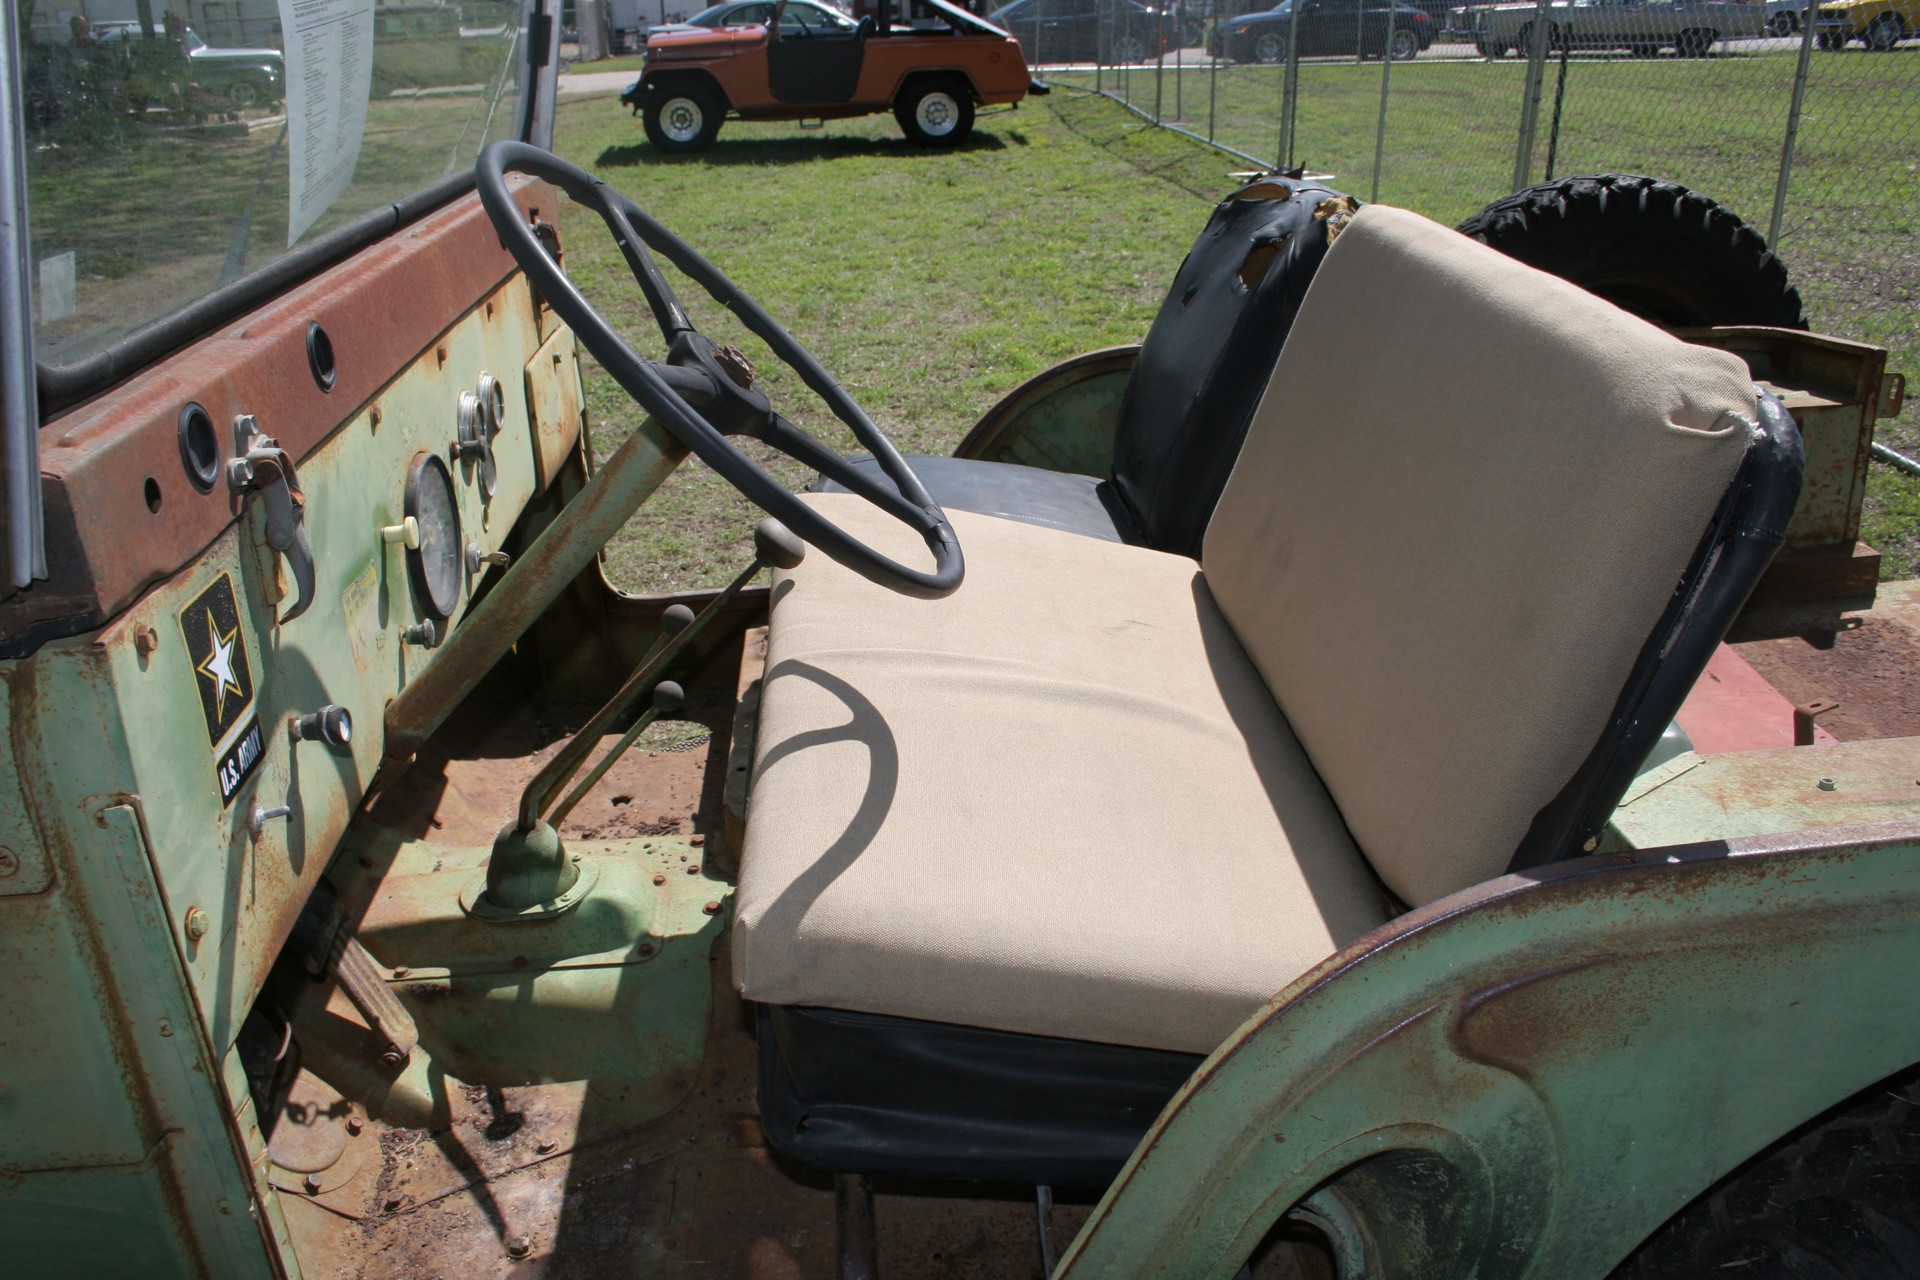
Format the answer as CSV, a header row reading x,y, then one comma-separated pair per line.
x,y
861,1093
1201,372
1206,360
1030,495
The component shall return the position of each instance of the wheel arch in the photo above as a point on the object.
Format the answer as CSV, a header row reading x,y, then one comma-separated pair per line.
x,y
1607,1038
919,75
688,77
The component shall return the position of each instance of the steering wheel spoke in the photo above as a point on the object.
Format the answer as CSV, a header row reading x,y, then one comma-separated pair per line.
x,y
705,393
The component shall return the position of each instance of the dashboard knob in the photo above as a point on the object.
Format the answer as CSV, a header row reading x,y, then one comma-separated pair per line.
x,y
331,724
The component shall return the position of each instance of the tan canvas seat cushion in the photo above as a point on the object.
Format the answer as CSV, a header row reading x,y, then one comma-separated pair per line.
x,y
1463,503
1059,801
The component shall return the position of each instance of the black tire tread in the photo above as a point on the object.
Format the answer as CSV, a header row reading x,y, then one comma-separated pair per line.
x,y
1710,267
1836,1199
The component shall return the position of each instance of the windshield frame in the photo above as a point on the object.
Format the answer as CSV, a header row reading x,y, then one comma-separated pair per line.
x,y
60,387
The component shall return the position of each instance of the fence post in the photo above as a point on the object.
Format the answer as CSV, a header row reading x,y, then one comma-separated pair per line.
x,y
1386,79
1809,19
1289,89
1159,61
1213,90
1179,83
1530,99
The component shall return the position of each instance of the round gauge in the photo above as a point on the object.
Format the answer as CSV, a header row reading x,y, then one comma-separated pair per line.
x,y
434,565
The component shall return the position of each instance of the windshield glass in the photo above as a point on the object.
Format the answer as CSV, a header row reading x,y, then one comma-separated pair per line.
x,y
164,162
710,17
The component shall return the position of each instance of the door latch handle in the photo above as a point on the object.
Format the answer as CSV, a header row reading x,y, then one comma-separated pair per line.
x,y
261,466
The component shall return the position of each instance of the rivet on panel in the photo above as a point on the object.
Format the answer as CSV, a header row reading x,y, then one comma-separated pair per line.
x,y
312,1184
697,841
1593,842
712,908
548,1146
693,868
10,866
658,879
519,1247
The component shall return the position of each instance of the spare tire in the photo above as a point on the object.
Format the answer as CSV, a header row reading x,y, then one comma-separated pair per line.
x,y
1658,249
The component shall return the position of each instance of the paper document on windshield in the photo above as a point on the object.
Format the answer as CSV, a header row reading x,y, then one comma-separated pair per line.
x,y
329,75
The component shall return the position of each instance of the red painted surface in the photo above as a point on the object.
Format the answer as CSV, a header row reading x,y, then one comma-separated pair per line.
x,y
1733,708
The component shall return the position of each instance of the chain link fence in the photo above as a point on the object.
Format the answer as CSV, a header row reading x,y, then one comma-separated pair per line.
x,y
1810,134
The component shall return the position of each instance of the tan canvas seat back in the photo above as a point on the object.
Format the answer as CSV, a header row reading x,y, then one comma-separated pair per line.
x,y
1463,505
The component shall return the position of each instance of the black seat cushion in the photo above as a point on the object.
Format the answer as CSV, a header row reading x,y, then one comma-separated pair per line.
x,y
860,1093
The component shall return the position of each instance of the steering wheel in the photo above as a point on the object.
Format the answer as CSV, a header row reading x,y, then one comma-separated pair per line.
x,y
702,393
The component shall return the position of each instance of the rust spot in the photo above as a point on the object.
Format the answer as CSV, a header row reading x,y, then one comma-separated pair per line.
x,y
1336,212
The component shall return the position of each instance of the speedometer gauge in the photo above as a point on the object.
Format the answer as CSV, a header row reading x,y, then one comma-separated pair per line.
x,y
434,565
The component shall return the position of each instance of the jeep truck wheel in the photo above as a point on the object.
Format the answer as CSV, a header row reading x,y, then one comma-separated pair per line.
x,y
1884,32
1833,1199
1831,42
682,118
1490,50
243,94
935,113
1782,24
1666,253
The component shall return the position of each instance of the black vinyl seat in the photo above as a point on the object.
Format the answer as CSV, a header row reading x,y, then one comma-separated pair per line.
x,y
1193,390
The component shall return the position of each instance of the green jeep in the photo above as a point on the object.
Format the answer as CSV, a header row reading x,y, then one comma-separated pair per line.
x,y
1228,820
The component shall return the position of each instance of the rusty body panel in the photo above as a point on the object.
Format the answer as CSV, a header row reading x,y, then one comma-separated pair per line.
x,y
1835,390
121,513
1526,1078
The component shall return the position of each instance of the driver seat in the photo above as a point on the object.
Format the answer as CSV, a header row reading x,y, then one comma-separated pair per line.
x,y
1016,858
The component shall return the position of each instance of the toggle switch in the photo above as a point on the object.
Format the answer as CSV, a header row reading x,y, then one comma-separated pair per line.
x,y
331,724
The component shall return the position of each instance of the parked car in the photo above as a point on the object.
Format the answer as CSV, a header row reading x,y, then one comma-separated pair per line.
x,y
798,15
1783,16
1689,27
1878,24
245,77
932,78
1114,31
1326,27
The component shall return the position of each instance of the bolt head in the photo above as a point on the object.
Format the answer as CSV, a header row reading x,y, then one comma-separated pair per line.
x,y
712,908
1827,784
312,1184
645,949
519,1247
355,1124
548,1146
10,865
197,924
145,640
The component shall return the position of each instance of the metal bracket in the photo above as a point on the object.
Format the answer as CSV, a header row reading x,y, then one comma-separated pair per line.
x,y
1803,717
260,465
1893,394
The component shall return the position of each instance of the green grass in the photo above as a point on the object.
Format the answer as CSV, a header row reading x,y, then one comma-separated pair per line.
x,y
1848,237
634,63
929,283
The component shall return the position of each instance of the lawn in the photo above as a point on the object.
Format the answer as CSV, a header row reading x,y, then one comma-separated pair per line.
x,y
1849,236
933,283
929,283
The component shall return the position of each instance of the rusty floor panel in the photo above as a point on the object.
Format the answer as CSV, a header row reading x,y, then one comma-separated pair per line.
x,y
1873,672
696,1193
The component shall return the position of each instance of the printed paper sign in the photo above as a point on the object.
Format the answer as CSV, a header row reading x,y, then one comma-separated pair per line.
x,y
329,75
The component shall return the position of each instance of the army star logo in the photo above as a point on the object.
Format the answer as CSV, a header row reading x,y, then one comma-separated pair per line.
x,y
217,666
217,649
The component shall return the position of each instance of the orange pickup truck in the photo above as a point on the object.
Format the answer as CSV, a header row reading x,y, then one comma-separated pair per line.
x,y
932,75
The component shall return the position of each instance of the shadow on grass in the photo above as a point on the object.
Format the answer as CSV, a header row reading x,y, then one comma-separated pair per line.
x,y
800,150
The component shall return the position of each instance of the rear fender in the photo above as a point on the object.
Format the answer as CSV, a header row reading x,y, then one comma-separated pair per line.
x,y
1528,1077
